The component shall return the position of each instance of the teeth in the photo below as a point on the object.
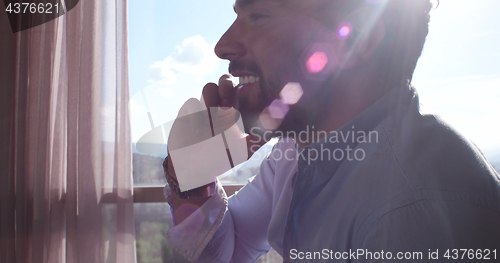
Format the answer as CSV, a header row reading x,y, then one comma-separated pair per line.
x,y
248,79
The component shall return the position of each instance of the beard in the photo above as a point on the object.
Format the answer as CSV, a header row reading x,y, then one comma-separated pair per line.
x,y
251,105
308,111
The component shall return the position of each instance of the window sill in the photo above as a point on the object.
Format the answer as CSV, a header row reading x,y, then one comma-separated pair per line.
x,y
154,194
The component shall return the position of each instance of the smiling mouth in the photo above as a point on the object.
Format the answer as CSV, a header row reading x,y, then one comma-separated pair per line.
x,y
243,80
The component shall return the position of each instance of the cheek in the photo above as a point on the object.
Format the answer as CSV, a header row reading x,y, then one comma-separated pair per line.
x,y
279,56
278,53
284,44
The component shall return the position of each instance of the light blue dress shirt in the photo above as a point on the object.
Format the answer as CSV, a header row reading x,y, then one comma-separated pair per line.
x,y
420,191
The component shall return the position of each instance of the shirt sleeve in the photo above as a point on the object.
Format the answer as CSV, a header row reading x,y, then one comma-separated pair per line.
x,y
229,229
193,234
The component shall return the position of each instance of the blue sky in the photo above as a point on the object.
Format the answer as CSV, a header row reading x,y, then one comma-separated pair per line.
x,y
458,76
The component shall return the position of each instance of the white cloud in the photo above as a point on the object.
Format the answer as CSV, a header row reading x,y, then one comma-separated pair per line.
x,y
165,92
159,73
193,58
172,81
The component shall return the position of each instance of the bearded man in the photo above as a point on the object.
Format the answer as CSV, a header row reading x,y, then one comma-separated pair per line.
x,y
376,180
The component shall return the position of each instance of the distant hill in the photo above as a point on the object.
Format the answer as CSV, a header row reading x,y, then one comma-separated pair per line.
x,y
134,149
147,169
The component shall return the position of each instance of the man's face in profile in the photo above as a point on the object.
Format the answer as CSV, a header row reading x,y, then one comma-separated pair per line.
x,y
265,47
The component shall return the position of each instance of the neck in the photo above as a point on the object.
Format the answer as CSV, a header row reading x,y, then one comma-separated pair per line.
x,y
344,103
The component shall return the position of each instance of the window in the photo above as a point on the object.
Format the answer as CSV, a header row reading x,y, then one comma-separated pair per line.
x,y
171,58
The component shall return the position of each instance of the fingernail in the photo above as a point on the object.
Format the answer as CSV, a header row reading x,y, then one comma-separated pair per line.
x,y
225,103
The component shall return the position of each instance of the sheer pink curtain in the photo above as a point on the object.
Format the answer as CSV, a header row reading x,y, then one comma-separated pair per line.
x,y
65,155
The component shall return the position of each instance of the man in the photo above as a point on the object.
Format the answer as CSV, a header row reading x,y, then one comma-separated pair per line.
x,y
360,175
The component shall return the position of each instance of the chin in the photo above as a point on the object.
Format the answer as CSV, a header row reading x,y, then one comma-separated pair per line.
x,y
298,118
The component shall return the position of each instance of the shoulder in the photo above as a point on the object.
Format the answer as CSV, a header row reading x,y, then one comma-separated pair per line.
x,y
453,196
433,155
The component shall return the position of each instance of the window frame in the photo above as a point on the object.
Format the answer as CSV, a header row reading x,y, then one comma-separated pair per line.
x,y
154,194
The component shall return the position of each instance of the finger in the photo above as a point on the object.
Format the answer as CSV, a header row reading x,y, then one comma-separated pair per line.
x,y
210,99
227,92
210,95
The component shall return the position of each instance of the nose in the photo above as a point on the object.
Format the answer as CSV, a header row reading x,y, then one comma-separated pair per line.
x,y
231,45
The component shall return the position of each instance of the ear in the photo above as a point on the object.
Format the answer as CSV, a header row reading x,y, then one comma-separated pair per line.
x,y
367,32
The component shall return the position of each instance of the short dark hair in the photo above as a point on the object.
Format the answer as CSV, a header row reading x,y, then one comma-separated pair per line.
x,y
407,26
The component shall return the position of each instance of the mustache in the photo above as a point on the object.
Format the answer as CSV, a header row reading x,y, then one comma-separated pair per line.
x,y
241,65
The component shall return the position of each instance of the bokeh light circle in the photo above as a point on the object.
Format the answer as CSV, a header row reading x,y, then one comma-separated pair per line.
x,y
344,30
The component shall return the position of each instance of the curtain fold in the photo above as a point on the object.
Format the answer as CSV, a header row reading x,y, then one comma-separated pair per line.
x,y
66,148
